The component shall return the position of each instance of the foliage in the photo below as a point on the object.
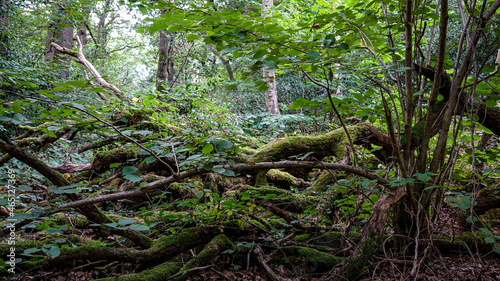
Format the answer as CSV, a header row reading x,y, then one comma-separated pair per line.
x,y
148,164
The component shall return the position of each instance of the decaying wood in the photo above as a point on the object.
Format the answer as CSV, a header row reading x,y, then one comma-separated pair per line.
x,y
81,59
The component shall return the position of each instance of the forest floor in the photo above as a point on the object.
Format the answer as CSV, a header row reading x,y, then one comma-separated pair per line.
x,y
454,266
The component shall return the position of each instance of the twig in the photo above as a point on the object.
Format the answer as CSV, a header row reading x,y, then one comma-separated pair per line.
x,y
266,267
182,66
354,156
70,270
188,271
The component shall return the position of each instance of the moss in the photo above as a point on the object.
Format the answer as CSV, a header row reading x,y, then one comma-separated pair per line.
x,y
212,249
127,153
150,177
331,239
21,246
317,256
283,179
356,265
177,239
326,178
331,144
115,184
78,221
171,217
418,130
181,191
310,259
248,151
302,238
37,128
491,218
462,242
158,273
261,178
227,181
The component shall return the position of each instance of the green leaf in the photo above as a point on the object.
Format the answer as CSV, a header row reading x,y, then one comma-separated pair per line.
x,y
76,83
259,54
27,84
219,170
53,252
424,177
312,56
114,165
2,110
139,227
464,205
207,149
126,221
192,37
225,145
200,194
329,40
16,106
133,178
228,173
269,197
30,251
431,187
127,170
344,46
489,240
303,103
305,155
53,230
490,103
227,50
486,231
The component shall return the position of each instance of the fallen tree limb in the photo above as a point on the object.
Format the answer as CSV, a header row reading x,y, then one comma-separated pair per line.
x,y
237,168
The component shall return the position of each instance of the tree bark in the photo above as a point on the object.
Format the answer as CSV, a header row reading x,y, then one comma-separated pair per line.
x,y
61,33
165,70
224,61
271,94
4,28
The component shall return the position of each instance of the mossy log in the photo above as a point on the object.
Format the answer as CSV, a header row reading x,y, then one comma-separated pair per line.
x,y
311,260
283,179
489,198
209,253
102,159
158,273
162,250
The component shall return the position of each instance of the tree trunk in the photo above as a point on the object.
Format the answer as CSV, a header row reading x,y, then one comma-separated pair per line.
x,y
4,28
60,32
271,94
165,70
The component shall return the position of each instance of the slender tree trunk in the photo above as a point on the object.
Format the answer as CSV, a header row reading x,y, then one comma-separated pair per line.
x,y
165,70
101,25
224,61
101,33
82,31
4,28
271,94
60,32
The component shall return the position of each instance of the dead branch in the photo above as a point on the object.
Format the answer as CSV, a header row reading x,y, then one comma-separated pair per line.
x,y
81,59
